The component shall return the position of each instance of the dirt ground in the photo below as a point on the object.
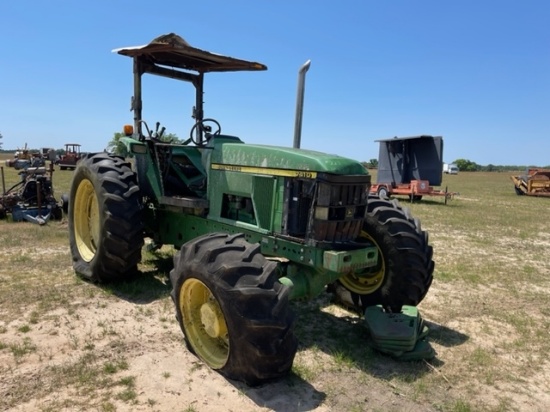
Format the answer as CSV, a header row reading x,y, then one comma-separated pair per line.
x,y
167,376
68,345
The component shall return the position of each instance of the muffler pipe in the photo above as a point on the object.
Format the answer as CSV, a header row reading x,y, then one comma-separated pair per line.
x,y
300,103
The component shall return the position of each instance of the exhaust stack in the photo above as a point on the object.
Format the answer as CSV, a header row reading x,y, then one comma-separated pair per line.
x,y
300,103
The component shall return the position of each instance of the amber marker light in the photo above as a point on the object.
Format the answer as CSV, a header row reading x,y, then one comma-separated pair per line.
x,y
128,129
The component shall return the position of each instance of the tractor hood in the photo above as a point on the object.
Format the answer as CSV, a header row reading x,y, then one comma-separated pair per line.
x,y
275,157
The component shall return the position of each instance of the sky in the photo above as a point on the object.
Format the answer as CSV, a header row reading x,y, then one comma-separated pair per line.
x,y
475,72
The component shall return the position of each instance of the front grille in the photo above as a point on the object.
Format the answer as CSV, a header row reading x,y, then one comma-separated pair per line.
x,y
339,209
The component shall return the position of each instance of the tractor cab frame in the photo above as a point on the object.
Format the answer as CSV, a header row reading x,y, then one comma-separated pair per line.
x,y
171,56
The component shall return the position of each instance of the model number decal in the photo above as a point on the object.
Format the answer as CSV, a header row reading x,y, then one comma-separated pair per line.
x,y
302,174
305,175
231,168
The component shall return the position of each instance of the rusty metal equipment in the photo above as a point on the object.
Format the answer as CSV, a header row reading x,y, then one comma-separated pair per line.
x,y
31,199
535,182
23,159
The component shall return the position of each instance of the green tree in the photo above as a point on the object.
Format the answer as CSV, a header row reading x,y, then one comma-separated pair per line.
x,y
1,139
465,165
371,164
117,147
171,138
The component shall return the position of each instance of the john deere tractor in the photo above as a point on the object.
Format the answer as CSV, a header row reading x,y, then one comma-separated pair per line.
x,y
254,226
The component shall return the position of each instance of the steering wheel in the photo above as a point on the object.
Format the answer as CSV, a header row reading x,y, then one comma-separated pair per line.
x,y
203,127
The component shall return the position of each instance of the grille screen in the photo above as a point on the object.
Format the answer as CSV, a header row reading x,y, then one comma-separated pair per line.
x,y
340,211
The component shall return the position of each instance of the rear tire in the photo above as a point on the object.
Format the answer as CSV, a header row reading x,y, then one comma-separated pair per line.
x,y
405,269
105,227
232,309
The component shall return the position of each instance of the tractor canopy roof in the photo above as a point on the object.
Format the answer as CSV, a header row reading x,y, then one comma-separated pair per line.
x,y
173,51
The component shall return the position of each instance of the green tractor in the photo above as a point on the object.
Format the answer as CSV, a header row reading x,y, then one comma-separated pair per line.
x,y
254,226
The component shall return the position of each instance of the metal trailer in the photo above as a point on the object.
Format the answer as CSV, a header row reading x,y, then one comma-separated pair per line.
x,y
410,166
415,190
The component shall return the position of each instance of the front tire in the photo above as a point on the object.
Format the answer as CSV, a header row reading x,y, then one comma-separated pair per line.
x,y
232,309
105,227
405,269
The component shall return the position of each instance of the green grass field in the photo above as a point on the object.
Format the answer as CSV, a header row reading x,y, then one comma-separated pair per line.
x,y
66,344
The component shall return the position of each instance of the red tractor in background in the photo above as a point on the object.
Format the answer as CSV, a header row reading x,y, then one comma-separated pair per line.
x,y
71,157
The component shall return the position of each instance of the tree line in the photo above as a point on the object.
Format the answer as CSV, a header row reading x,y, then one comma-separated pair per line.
x,y
117,147
465,165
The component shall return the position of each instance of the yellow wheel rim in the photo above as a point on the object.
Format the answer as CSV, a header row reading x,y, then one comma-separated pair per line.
x,y
366,281
86,220
204,323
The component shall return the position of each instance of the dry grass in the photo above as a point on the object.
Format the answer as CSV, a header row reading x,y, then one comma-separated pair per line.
x,y
70,345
